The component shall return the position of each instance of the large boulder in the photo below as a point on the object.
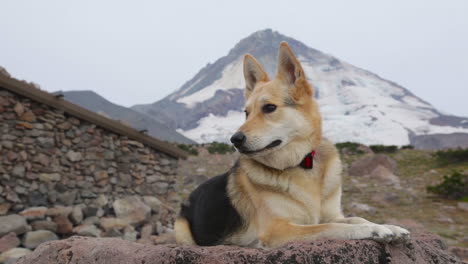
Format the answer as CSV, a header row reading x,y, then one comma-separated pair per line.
x,y
423,248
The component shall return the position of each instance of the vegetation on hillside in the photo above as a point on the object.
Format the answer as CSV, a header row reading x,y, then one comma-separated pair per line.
x,y
383,148
350,147
220,148
445,157
189,148
454,186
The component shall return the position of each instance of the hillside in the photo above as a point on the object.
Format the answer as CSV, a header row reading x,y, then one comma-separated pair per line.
x,y
94,102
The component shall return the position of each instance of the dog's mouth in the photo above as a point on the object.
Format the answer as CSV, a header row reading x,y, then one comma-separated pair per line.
x,y
269,146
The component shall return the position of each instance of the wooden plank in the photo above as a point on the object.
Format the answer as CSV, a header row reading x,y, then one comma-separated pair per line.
x,y
27,90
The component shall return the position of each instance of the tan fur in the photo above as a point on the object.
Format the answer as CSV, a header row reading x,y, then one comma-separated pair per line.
x,y
183,233
278,200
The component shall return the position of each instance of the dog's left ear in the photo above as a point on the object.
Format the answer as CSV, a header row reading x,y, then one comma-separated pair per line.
x,y
291,72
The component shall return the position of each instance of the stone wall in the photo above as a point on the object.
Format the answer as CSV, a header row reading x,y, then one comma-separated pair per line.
x,y
48,158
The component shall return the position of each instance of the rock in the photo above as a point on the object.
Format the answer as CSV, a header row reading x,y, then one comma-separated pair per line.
x,y
463,206
49,177
59,210
26,125
360,207
146,231
132,209
77,215
92,220
153,202
100,175
445,219
87,230
19,109
12,255
385,198
33,239
89,211
18,171
36,198
4,208
13,223
423,248
44,225
34,213
68,197
366,165
46,142
13,197
166,238
64,226
42,159
87,194
101,201
130,234
460,252
108,223
73,156
28,116
385,176
65,125
9,241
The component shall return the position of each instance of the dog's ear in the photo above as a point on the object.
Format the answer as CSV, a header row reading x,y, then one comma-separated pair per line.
x,y
291,72
253,73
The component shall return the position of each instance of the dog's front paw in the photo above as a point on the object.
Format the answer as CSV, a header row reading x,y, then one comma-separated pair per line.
x,y
401,234
382,234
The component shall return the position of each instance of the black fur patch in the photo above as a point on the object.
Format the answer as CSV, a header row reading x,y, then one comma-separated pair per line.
x,y
210,213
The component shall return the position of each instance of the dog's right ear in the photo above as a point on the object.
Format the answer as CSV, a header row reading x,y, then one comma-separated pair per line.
x,y
253,73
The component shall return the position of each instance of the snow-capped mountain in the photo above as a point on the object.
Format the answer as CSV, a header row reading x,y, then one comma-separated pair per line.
x,y
356,104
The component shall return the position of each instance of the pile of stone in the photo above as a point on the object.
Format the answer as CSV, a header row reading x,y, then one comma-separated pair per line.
x,y
132,218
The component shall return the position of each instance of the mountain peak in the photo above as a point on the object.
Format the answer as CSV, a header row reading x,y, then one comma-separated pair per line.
x,y
264,42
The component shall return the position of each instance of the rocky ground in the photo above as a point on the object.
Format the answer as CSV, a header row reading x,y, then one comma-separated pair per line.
x,y
423,248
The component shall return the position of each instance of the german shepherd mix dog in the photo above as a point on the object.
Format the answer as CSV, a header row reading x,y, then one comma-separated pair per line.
x,y
286,185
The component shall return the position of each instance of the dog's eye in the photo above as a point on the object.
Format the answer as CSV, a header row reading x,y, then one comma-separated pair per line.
x,y
269,108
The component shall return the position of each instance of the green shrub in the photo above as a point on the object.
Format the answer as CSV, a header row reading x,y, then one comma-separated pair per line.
x,y
349,147
407,147
383,148
220,148
191,149
454,186
452,156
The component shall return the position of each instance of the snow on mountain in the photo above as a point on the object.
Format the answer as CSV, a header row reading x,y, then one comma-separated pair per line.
x,y
356,104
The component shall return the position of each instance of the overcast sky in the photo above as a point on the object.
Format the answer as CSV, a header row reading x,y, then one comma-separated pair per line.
x,y
134,52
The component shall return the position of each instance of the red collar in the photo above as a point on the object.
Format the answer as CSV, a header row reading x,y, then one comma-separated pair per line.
x,y
308,161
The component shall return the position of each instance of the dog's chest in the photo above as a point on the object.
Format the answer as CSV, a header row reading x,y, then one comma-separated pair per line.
x,y
300,200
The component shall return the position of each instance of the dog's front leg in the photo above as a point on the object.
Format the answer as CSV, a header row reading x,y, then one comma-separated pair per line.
x,y
400,233
280,231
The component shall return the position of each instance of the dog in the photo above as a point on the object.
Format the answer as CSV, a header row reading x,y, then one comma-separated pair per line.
x,y
286,185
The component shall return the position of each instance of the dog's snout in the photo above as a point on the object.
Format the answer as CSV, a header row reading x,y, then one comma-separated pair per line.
x,y
238,139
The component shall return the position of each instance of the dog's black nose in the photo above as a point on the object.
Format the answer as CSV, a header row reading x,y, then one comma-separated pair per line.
x,y
238,139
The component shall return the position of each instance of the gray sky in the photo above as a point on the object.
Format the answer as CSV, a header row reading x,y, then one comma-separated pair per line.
x,y
134,52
